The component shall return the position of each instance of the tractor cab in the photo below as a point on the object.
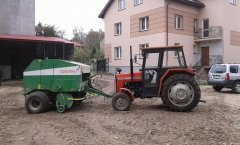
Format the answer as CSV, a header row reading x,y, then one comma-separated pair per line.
x,y
164,74
156,62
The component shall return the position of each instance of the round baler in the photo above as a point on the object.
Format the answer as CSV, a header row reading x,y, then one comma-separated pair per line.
x,y
59,82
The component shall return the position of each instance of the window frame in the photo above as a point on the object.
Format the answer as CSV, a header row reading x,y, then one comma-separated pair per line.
x,y
138,2
145,21
118,50
233,2
195,25
205,32
121,5
179,23
118,27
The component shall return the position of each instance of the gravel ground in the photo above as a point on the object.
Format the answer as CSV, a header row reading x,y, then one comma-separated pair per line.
x,y
95,121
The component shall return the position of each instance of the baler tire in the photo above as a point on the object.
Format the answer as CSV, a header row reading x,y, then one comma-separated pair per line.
x,y
37,102
121,102
189,101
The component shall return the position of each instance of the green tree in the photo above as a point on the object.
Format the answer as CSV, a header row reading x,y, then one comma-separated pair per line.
x,y
93,39
99,54
93,52
79,35
82,56
91,43
49,31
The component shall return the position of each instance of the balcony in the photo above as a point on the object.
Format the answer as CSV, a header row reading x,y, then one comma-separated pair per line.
x,y
213,33
215,59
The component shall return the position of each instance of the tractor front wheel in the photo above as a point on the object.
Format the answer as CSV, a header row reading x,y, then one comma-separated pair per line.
x,y
37,102
121,102
181,93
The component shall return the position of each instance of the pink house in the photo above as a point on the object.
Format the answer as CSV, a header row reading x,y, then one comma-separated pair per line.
x,y
209,30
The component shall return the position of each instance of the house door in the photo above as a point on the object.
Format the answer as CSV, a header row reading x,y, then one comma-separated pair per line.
x,y
205,56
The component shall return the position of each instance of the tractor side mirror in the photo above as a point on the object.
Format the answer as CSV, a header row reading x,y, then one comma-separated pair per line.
x,y
118,70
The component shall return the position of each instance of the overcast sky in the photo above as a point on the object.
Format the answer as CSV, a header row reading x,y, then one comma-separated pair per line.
x,y
67,14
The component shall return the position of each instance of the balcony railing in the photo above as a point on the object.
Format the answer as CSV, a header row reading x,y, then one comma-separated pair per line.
x,y
214,32
215,59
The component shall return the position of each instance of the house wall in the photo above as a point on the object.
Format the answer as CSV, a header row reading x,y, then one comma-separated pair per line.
x,y
213,10
157,22
184,36
126,39
226,15
219,13
17,17
188,13
215,15
231,32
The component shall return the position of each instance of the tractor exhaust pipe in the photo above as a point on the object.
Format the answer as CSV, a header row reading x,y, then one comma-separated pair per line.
x,y
131,63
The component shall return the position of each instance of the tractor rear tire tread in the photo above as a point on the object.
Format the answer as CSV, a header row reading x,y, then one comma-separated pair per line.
x,y
42,98
175,78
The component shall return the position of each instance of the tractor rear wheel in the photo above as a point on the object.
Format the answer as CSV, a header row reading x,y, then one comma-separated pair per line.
x,y
181,93
37,102
121,102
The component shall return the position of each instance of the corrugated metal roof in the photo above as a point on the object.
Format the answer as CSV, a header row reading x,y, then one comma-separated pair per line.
x,y
29,38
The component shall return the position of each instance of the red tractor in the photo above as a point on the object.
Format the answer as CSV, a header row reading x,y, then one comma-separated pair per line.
x,y
164,74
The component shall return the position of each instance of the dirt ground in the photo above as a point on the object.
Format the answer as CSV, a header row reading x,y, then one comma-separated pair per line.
x,y
95,121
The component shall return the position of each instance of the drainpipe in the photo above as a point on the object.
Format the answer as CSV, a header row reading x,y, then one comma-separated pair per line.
x,y
167,11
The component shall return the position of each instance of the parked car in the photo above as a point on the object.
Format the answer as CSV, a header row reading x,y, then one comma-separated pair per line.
x,y
225,76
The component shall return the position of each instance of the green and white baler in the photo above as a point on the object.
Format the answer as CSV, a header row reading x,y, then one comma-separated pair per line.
x,y
59,82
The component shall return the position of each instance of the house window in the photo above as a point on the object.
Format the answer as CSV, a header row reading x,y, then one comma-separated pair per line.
x,y
140,47
138,2
205,27
121,4
118,52
233,2
195,25
178,22
118,28
144,23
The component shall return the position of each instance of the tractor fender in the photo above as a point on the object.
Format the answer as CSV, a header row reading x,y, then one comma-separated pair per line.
x,y
125,90
172,72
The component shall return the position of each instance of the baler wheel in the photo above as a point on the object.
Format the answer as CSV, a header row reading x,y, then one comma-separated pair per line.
x,y
121,102
37,102
181,93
